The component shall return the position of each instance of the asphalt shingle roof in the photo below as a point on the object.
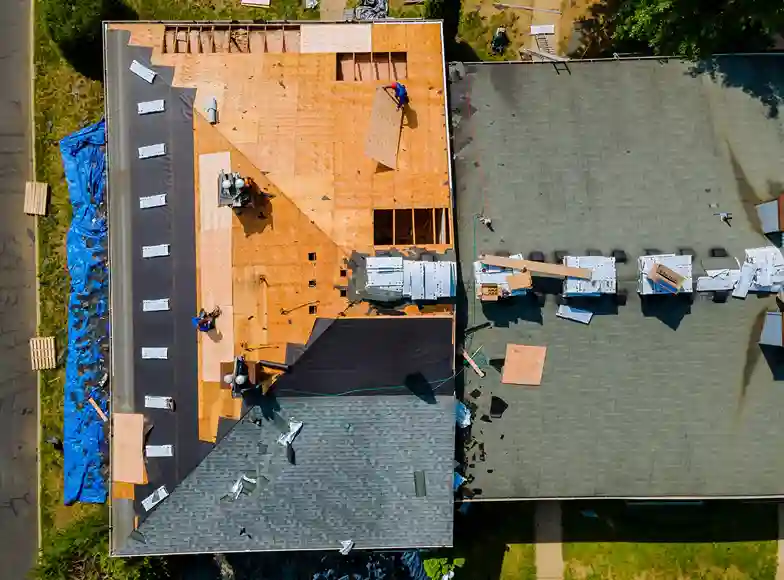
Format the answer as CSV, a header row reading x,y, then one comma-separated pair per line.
x,y
353,479
673,400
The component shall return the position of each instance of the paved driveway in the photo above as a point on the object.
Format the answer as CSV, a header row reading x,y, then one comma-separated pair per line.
x,y
18,420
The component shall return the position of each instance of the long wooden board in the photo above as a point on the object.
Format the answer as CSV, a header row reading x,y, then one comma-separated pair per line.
x,y
383,137
536,267
127,456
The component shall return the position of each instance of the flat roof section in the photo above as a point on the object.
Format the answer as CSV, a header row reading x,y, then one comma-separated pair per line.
x,y
675,400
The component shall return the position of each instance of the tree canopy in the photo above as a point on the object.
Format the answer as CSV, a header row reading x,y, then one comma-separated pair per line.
x,y
689,28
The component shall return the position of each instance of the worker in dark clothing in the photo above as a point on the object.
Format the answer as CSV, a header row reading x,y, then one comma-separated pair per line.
x,y
500,41
401,94
205,321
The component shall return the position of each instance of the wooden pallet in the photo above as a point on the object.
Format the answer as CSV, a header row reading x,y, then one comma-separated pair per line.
x,y
42,353
36,198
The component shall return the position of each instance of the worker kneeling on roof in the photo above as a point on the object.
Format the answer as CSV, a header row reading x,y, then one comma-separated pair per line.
x,y
401,94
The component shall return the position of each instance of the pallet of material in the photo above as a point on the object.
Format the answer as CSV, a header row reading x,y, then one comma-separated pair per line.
x,y
383,137
42,353
36,198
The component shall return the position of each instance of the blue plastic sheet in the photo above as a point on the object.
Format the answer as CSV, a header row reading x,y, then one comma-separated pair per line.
x,y
86,370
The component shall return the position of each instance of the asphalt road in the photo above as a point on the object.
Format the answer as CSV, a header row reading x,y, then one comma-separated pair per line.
x,y
18,419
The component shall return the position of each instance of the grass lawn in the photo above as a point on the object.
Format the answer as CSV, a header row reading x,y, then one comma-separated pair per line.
x,y
496,541
720,540
656,561
66,101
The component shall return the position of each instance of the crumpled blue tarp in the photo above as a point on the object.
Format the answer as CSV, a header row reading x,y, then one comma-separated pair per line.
x,y
88,327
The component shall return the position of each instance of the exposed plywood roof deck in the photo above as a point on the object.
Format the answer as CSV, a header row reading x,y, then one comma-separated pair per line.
x,y
295,122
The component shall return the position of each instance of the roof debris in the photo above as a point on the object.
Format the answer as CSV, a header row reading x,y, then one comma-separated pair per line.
x,y
295,427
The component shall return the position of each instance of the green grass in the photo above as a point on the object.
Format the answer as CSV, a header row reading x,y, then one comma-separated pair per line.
x,y
660,561
519,562
64,102
496,541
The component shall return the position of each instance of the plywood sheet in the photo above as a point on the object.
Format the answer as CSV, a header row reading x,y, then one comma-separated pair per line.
x,y
523,365
383,136
121,490
213,217
127,456
336,38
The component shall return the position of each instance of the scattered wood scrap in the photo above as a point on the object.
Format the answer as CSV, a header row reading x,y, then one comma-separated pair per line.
x,y
98,410
523,365
473,364
537,267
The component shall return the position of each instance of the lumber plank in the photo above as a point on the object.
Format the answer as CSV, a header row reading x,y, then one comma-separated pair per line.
x,y
537,267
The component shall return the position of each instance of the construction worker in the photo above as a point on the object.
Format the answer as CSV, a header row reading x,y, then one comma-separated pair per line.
x,y
500,41
205,321
401,94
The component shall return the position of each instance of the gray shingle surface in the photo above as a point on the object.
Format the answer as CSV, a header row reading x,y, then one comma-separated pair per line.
x,y
353,479
626,155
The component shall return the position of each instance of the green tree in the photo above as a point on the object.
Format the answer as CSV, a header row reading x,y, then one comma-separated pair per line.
x,y
75,26
81,552
694,28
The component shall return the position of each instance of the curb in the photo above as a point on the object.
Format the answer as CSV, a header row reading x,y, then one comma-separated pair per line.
x,y
39,378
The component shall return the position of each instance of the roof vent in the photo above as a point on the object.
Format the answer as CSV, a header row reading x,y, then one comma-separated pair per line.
x,y
419,484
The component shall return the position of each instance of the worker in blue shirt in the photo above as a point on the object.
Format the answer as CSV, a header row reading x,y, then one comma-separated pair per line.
x,y
205,321
401,94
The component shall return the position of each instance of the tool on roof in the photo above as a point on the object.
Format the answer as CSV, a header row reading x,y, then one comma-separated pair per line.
x,y
234,191
285,311
486,221
725,216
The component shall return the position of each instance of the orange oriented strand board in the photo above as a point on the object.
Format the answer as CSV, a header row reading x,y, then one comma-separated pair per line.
x,y
523,365
127,455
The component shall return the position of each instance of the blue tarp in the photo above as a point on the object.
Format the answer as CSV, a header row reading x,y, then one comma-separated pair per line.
x,y
88,324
